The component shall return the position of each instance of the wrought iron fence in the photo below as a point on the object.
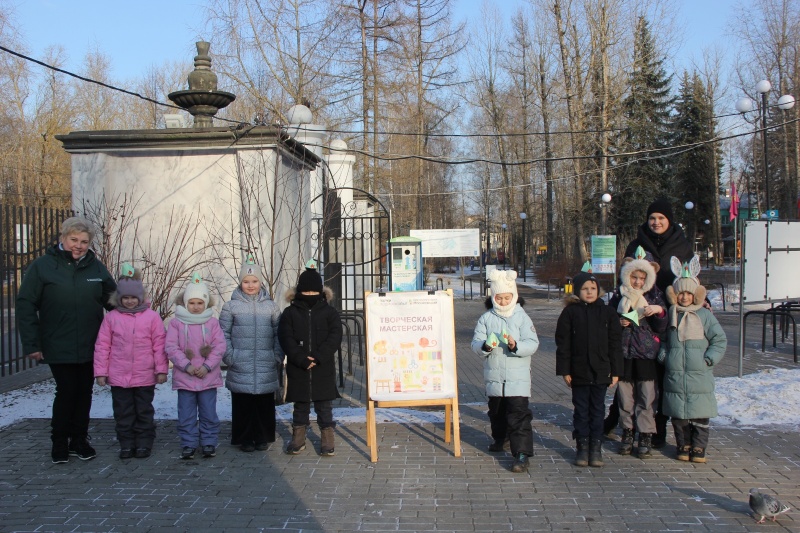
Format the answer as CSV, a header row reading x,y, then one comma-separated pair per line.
x,y
25,233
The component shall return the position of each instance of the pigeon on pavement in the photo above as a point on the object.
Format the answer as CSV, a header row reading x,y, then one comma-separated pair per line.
x,y
764,505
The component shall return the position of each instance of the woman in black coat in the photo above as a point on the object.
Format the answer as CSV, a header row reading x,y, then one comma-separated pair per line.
x,y
310,333
663,238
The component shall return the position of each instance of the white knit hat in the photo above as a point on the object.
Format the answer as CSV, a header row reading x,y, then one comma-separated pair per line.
x,y
197,288
500,282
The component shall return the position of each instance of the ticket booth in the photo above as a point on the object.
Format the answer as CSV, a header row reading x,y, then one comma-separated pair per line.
x,y
405,266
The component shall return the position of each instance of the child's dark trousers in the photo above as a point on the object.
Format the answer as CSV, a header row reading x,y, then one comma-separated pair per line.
x,y
589,402
510,418
134,415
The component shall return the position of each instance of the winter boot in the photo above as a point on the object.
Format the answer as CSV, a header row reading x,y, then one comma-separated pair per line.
x,y
596,453
326,446
520,464
684,452
582,455
79,447
698,455
298,442
645,444
626,446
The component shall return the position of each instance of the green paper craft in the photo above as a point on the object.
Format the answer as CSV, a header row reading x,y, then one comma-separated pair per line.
x,y
127,270
640,253
632,315
492,341
311,264
587,267
196,278
505,334
250,260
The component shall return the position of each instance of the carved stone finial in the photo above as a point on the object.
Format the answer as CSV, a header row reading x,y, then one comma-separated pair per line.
x,y
202,100
202,78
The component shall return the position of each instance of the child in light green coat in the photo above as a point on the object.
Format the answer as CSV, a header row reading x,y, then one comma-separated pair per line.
x,y
695,344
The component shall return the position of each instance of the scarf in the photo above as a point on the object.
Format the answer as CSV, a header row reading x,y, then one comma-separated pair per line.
x,y
690,327
138,309
631,299
187,318
183,314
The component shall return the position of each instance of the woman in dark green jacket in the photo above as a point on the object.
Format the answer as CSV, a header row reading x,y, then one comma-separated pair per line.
x,y
59,312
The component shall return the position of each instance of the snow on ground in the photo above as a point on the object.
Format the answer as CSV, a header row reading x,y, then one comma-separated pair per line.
x,y
767,398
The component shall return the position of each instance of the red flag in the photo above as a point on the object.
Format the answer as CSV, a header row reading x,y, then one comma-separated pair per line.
x,y
734,201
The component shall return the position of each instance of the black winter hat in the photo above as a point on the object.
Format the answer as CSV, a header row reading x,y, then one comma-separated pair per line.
x,y
663,206
309,281
580,279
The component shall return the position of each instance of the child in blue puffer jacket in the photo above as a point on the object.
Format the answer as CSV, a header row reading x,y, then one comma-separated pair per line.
x,y
506,338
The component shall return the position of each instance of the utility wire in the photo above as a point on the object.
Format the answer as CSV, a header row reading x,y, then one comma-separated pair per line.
x,y
102,84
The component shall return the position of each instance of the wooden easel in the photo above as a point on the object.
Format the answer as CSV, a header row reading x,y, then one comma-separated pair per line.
x,y
451,416
450,421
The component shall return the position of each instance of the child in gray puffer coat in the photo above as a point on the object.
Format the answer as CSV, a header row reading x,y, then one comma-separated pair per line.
x,y
506,338
253,355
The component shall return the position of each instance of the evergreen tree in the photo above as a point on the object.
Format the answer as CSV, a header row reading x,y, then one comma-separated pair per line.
x,y
644,176
695,179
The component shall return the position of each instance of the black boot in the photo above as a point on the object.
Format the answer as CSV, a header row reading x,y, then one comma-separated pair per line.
x,y
645,446
596,452
627,442
582,455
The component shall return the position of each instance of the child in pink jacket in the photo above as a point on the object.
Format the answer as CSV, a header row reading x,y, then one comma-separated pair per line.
x,y
195,345
129,356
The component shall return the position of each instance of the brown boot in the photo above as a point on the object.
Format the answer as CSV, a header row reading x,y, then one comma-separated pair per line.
x,y
298,442
326,446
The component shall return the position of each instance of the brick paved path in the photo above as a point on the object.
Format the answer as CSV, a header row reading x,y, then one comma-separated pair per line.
x,y
417,485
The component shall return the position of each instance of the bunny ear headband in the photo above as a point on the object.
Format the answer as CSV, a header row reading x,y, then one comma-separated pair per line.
x,y
690,269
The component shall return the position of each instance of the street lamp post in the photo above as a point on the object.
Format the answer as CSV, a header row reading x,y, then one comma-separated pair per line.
x,y
605,201
524,217
745,105
488,250
707,222
503,226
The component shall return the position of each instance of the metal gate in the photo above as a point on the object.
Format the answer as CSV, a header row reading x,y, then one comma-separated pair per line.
x,y
350,240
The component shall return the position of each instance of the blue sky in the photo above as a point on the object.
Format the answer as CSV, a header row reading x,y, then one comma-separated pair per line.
x,y
137,35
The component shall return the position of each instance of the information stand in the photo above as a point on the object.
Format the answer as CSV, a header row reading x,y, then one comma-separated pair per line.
x,y
411,357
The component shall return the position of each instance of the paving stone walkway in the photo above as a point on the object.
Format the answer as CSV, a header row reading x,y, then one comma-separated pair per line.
x,y
417,484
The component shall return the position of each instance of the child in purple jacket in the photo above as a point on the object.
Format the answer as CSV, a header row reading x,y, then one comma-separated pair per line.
x,y
129,356
195,345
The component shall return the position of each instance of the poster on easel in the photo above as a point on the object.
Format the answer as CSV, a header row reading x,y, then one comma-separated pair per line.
x,y
411,356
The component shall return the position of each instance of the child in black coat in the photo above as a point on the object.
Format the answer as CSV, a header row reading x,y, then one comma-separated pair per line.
x,y
310,333
589,357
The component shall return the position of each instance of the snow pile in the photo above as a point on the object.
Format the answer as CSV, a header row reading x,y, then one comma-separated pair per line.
x,y
767,398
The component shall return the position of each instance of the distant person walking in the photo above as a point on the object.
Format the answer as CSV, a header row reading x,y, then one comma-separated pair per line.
x,y
59,312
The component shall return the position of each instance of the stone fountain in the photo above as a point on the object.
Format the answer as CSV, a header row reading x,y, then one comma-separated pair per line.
x,y
202,100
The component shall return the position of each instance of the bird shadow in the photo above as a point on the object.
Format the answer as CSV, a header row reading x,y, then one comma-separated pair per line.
x,y
725,503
